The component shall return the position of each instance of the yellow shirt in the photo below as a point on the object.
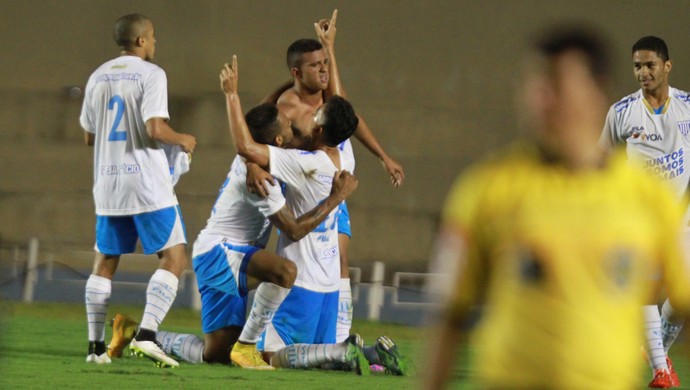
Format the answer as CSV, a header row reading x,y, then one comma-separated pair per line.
x,y
563,262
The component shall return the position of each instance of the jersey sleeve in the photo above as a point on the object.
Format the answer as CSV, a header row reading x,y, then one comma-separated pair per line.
x,y
273,202
155,99
460,216
608,139
86,119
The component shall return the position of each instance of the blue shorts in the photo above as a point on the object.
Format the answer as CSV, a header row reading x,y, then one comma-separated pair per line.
x,y
344,220
221,275
157,230
304,317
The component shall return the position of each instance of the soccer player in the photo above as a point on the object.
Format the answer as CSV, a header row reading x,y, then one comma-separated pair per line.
x,y
654,125
229,258
313,67
308,314
556,239
124,115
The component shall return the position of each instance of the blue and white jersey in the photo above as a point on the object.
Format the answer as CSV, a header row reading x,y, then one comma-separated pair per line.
x,y
131,171
347,156
238,216
657,140
308,177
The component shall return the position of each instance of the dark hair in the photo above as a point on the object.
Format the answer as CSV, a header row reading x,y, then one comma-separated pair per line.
x,y
582,39
127,29
262,121
340,120
654,44
299,47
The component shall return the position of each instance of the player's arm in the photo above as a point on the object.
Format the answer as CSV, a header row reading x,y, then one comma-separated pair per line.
x,y
275,95
158,129
449,256
326,31
258,180
607,140
366,137
344,184
244,143
89,138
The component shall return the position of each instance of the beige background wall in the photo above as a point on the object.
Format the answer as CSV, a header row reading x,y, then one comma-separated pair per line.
x,y
434,79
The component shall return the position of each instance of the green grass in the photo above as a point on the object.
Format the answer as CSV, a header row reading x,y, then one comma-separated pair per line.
x,y
43,346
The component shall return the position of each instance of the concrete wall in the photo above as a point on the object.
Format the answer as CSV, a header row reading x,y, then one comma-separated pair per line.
x,y
434,80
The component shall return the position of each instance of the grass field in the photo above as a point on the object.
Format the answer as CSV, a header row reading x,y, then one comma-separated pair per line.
x,y
43,346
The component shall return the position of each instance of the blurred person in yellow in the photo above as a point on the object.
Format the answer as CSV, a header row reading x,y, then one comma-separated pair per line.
x,y
555,240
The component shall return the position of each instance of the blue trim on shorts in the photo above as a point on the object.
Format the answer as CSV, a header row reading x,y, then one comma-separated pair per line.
x,y
118,234
306,316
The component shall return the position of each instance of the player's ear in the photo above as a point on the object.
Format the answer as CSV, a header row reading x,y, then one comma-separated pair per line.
x,y
295,72
139,41
278,140
668,65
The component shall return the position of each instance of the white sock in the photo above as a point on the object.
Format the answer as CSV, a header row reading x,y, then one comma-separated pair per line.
x,y
308,355
344,324
187,347
267,299
655,346
96,297
671,324
160,295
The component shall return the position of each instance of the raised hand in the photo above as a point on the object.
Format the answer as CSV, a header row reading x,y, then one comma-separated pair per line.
x,y
325,29
228,77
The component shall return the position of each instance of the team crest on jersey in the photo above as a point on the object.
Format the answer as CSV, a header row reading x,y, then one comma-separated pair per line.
x,y
636,131
684,128
620,267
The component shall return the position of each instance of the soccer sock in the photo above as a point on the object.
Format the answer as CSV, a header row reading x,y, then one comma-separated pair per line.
x,y
308,355
160,295
188,347
344,322
267,299
371,355
655,346
671,324
96,297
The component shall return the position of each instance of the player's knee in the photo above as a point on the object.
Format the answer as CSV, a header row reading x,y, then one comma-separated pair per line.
x,y
288,274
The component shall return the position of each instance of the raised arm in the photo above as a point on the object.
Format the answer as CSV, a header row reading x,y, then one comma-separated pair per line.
x,y
344,184
244,143
326,31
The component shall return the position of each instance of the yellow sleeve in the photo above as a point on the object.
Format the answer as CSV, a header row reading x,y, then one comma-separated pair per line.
x,y
461,217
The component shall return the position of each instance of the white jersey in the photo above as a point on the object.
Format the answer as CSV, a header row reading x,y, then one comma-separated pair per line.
x,y
308,177
657,141
131,171
238,216
347,155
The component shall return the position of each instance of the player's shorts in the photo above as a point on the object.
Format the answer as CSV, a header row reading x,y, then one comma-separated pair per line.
x,y
344,219
304,317
221,275
157,230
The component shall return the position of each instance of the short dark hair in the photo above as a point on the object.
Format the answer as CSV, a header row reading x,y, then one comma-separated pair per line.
x,y
341,120
654,44
579,38
127,30
263,124
299,47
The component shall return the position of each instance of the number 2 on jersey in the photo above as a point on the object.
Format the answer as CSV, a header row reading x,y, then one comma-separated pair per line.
x,y
115,135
